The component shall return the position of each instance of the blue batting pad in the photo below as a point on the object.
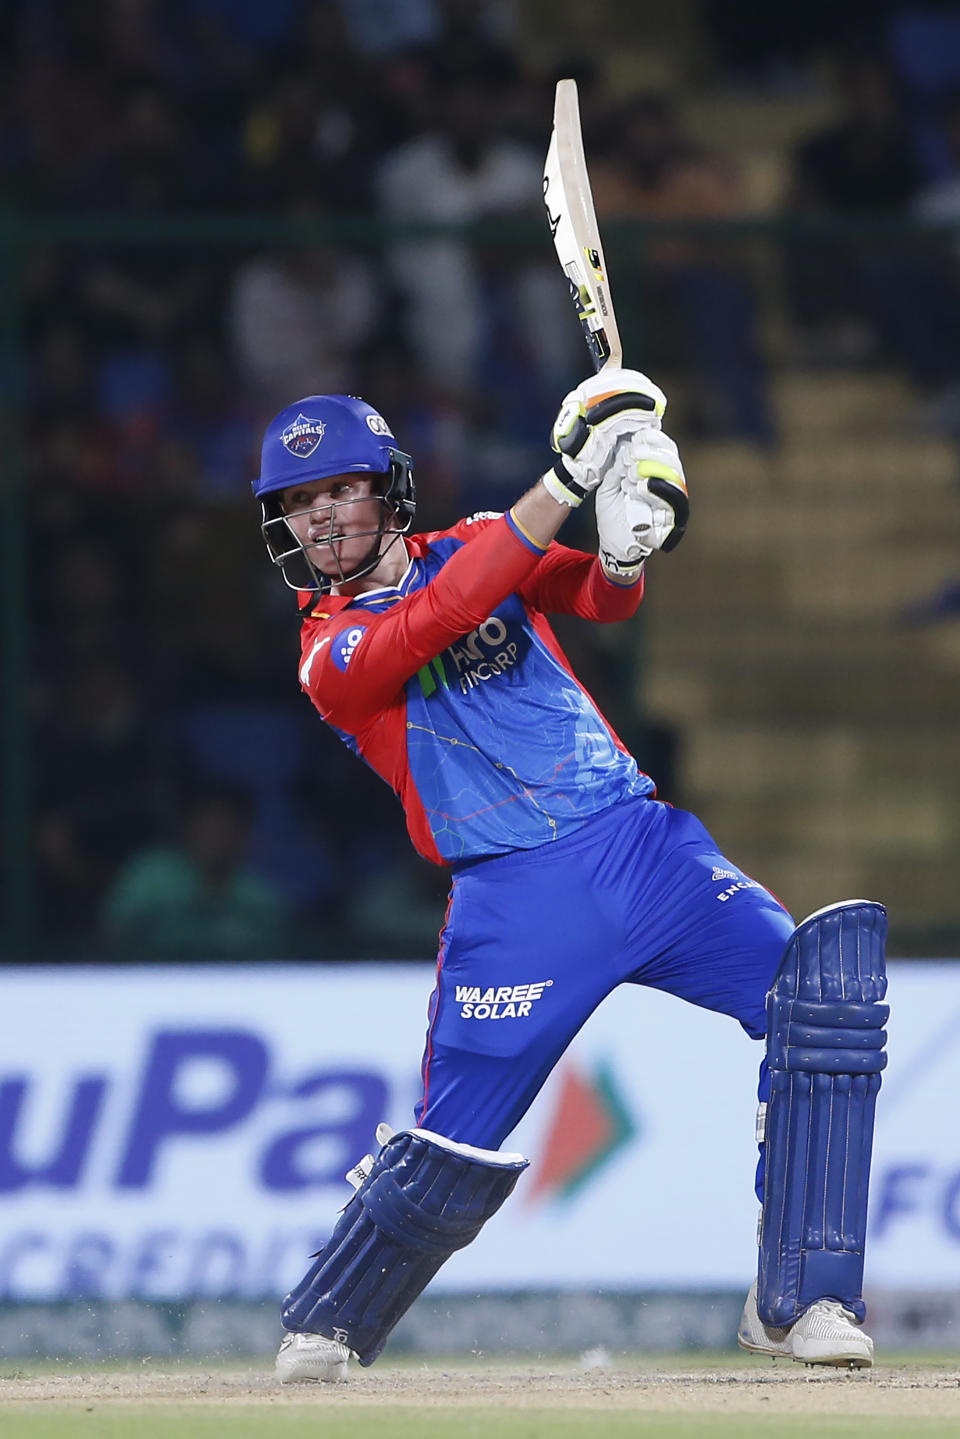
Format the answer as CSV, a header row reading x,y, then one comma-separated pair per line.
x,y
825,1048
424,1198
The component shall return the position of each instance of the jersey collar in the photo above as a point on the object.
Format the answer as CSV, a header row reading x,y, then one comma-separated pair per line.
x,y
324,607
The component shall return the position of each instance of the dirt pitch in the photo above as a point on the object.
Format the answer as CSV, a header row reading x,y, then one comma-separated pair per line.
x,y
725,1385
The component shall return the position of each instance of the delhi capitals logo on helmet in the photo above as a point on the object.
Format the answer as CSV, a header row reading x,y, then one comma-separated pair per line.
x,y
302,436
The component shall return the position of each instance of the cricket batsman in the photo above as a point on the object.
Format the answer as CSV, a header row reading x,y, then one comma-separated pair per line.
x,y
431,657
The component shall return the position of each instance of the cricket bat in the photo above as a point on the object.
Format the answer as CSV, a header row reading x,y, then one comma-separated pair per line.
x,y
573,225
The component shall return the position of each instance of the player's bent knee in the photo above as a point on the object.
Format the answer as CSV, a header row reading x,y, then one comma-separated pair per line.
x,y
825,1048
425,1197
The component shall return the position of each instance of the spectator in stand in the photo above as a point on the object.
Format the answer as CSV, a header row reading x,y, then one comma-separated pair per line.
x,y
299,318
59,379
95,763
139,301
465,168
940,203
477,40
865,163
382,27
649,169
301,126
306,122
866,166
52,306
451,35
140,294
57,128
776,47
196,898
212,423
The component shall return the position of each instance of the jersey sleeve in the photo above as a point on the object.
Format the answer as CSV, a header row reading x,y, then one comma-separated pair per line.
x,y
569,582
565,582
356,663
466,529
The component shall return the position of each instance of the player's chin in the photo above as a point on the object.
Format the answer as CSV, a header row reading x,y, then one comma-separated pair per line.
x,y
335,559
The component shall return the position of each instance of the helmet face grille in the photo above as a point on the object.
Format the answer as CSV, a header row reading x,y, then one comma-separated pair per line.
x,y
293,556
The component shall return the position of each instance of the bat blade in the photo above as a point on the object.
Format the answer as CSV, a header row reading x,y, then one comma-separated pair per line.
x,y
576,235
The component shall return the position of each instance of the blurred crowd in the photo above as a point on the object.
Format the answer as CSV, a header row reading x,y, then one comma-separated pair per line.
x,y
187,801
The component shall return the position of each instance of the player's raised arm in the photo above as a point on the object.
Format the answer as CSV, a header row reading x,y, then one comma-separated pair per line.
x,y
349,686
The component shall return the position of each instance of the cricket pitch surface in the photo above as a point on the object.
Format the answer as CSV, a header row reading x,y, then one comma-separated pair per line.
x,y
717,1397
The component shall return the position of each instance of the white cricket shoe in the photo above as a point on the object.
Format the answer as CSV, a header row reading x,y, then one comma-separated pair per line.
x,y
306,1358
826,1333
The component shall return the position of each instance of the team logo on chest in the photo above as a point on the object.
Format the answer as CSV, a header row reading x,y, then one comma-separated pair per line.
x,y
302,436
345,644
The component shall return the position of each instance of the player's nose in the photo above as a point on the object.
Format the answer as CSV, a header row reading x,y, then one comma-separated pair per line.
x,y
319,523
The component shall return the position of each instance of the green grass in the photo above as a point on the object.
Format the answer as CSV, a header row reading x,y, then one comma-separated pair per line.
x,y
392,1422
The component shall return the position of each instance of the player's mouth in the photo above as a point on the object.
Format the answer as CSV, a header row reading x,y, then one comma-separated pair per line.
x,y
337,550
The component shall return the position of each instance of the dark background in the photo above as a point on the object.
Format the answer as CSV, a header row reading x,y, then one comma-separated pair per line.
x,y
206,213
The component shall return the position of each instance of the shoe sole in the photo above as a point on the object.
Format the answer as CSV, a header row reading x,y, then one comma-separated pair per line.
x,y
311,1378
836,1361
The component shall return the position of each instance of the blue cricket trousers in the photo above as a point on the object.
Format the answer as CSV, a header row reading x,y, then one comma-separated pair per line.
x,y
534,940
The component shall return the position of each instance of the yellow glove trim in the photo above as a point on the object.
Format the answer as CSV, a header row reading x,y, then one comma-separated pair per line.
x,y
575,413
654,469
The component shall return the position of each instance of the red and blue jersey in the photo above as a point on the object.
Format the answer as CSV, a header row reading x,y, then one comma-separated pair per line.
x,y
453,688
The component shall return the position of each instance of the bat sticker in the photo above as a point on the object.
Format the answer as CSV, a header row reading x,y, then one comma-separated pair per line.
x,y
552,220
594,261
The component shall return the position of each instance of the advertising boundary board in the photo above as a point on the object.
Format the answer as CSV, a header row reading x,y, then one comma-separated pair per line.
x,y
594,1325
180,1134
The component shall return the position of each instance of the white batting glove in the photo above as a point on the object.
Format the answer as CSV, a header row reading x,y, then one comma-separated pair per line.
x,y
642,504
593,421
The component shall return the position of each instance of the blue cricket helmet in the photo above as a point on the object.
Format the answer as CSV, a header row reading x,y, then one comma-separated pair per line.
x,y
312,439
319,436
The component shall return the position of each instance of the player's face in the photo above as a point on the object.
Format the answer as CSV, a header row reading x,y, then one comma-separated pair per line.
x,y
336,518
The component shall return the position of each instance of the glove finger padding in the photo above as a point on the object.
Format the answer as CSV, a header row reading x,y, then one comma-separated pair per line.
x,y
666,489
642,504
577,421
593,420
616,380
